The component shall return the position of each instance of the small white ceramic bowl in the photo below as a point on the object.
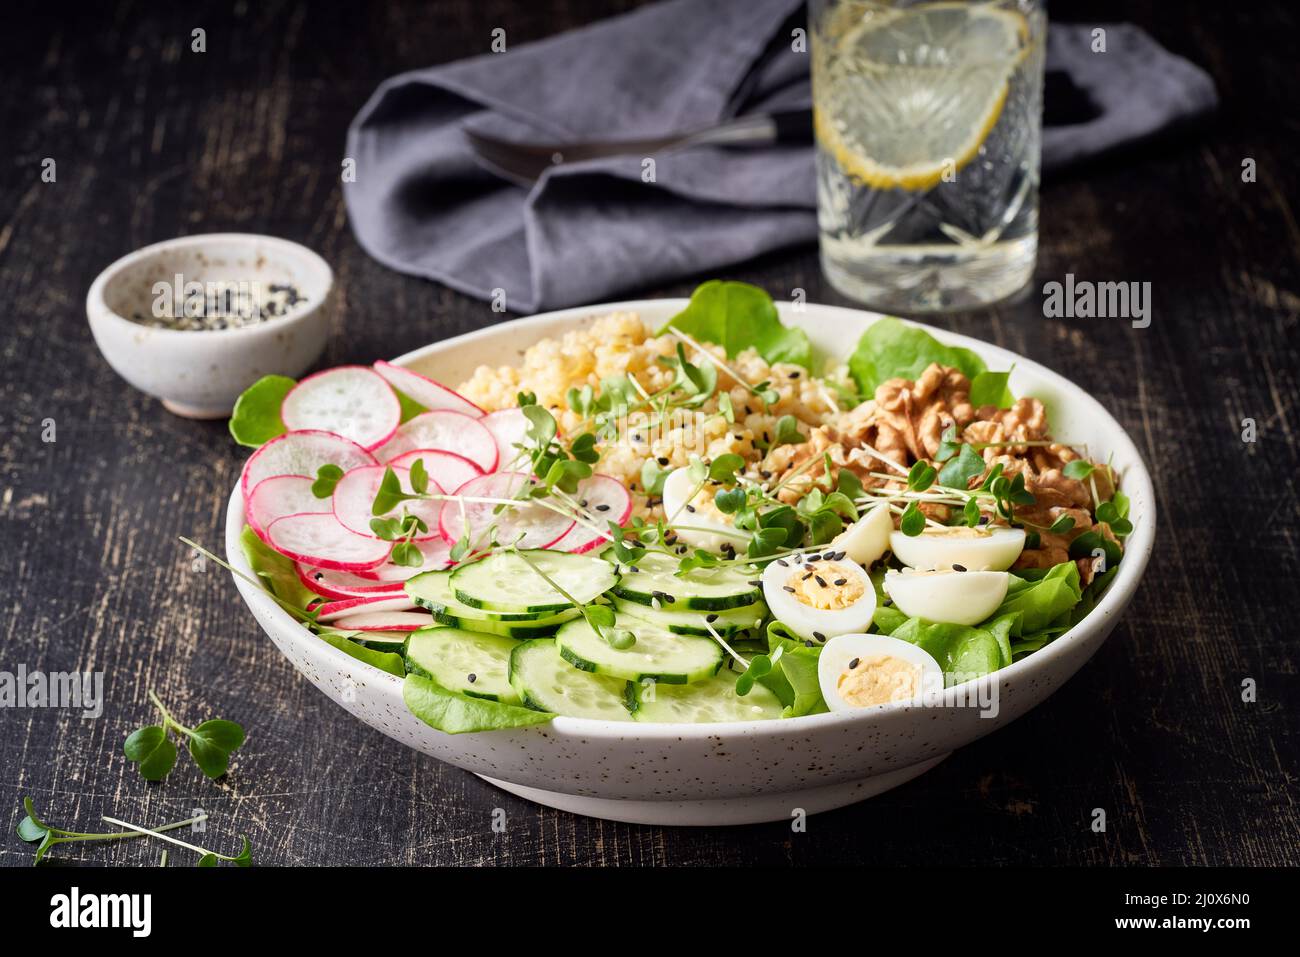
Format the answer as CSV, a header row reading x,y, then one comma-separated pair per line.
x,y
748,771
200,373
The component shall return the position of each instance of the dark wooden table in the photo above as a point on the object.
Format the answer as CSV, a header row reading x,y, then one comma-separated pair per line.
x,y
152,140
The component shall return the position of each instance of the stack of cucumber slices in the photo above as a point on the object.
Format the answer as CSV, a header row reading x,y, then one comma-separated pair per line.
x,y
506,633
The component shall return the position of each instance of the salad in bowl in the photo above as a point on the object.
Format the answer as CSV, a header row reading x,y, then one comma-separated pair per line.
x,y
690,521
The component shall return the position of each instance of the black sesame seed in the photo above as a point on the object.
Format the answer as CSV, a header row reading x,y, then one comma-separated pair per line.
x,y
841,581
821,582
854,663
819,636
783,563
711,618
320,577
788,588
764,473
681,549
757,583
808,644
633,569
690,508
472,677
661,460
809,568
815,558
602,508
958,568
806,576
670,599
794,375
583,503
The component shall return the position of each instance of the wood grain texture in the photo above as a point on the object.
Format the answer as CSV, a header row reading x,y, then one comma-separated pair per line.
x,y
152,140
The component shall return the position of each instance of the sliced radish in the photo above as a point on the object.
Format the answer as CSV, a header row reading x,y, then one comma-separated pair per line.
x,y
279,496
329,583
527,524
301,453
432,395
447,431
332,611
320,539
352,401
447,469
436,554
384,621
509,427
355,493
604,499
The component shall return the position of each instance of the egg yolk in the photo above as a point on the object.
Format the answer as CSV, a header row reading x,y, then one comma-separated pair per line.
x,y
829,587
878,680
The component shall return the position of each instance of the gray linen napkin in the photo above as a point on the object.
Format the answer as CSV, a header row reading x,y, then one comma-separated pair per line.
x,y
421,204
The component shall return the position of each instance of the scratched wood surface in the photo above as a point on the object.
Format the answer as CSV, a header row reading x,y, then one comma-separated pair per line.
x,y
152,140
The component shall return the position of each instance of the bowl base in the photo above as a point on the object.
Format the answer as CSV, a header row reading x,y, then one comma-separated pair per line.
x,y
722,811
194,412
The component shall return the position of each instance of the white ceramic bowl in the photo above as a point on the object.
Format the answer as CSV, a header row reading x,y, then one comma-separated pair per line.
x,y
200,373
750,771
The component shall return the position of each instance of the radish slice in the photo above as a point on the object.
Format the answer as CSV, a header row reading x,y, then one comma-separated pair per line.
x,y
446,469
355,493
527,525
384,621
319,539
334,610
301,453
432,395
333,584
607,500
437,556
279,496
352,401
447,431
509,428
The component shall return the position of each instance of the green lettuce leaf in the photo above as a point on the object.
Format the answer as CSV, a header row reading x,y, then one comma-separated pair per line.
x,y
456,713
737,316
1041,602
891,349
275,570
383,660
963,652
794,678
256,418
990,388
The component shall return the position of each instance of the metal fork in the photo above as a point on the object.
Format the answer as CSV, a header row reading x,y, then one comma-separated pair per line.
x,y
524,163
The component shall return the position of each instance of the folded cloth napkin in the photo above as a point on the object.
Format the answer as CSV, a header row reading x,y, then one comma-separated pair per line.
x,y
421,203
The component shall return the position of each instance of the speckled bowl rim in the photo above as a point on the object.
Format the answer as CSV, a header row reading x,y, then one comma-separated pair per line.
x,y
1137,550
97,306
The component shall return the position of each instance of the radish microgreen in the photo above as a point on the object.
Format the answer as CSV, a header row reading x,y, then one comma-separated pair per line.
x,y
1078,469
210,745
600,617
33,830
327,476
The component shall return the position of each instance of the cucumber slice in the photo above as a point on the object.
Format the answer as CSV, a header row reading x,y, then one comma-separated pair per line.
x,y
545,681
703,589
466,661
713,699
658,654
506,582
726,623
432,590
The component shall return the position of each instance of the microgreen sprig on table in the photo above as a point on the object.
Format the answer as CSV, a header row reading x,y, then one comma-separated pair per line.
x,y
45,836
210,745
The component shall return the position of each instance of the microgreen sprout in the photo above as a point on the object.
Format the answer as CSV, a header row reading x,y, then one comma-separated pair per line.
x,y
600,617
210,744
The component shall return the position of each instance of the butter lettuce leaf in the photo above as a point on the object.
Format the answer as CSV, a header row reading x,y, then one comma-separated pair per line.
x,y
383,660
456,713
892,349
1041,603
256,418
276,571
794,678
738,316
962,651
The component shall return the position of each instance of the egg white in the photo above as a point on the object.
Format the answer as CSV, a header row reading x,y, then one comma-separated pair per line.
x,y
808,622
867,539
989,548
959,598
842,649
717,529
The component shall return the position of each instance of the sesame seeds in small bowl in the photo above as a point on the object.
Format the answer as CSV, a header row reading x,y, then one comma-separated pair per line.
x,y
196,320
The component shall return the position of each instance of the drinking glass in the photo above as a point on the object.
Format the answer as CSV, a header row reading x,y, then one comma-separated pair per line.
x,y
928,118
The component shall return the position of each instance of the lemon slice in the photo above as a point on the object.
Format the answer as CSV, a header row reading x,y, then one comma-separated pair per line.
x,y
905,97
